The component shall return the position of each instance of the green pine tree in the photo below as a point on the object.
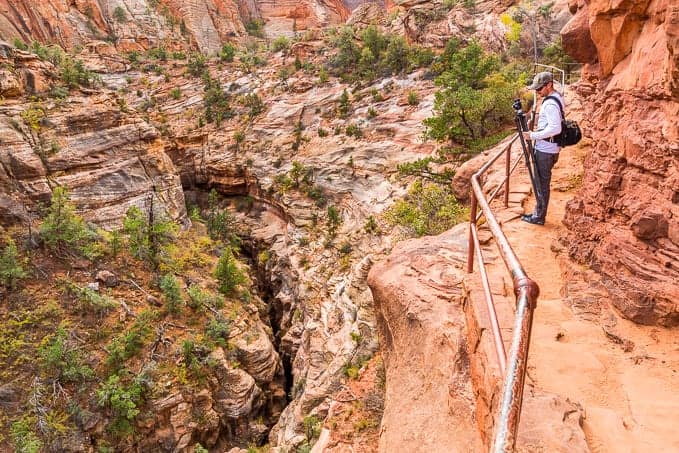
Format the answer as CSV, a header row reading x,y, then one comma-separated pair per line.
x,y
11,270
228,274
62,228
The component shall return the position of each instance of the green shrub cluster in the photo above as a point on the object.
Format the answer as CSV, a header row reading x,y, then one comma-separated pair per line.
x,y
119,14
148,234
217,330
250,59
191,361
52,53
343,104
379,55
173,297
371,226
280,43
23,435
220,223
312,428
19,44
421,168
215,100
353,130
63,230
227,52
555,55
333,221
33,116
284,74
299,137
254,103
72,71
123,400
428,209
74,74
90,301
197,64
200,299
129,343
62,359
255,28
322,75
157,53
301,178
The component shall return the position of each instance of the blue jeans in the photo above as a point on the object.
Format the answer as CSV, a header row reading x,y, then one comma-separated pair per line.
x,y
545,162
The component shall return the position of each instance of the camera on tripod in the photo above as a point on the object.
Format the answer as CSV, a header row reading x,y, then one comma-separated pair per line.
x,y
517,106
526,145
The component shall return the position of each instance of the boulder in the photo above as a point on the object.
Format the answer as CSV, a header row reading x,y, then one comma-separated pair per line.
x,y
417,292
108,278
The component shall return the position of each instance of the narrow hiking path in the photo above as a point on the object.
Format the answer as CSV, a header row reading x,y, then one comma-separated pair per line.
x,y
625,376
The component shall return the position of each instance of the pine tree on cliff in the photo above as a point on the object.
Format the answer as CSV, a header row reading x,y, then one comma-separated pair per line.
x,y
475,97
228,274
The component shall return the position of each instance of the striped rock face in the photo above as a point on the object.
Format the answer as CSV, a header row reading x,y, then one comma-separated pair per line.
x,y
141,24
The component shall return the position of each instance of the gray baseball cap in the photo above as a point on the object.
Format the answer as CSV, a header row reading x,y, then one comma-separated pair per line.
x,y
541,79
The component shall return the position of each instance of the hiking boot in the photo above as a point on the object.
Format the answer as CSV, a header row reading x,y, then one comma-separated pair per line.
x,y
532,219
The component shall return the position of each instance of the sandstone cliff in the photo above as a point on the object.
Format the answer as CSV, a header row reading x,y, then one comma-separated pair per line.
x,y
625,220
108,159
131,140
141,24
145,130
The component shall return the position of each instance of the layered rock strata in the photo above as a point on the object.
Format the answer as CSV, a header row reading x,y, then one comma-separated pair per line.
x,y
326,322
625,220
107,159
141,24
243,392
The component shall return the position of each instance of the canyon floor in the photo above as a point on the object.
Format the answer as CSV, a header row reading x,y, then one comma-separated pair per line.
x,y
623,374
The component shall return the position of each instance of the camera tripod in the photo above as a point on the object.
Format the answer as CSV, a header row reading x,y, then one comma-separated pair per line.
x,y
527,146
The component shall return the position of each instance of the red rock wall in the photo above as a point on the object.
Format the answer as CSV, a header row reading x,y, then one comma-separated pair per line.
x,y
59,21
287,15
208,23
624,222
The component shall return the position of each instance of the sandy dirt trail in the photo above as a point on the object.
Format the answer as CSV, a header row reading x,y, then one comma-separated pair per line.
x,y
625,376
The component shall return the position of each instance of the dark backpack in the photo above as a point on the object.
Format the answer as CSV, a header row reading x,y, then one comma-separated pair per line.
x,y
570,131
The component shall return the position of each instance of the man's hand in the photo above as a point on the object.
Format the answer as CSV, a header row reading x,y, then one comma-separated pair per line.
x,y
526,135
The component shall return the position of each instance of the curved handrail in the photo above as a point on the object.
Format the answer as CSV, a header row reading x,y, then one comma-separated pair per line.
x,y
526,290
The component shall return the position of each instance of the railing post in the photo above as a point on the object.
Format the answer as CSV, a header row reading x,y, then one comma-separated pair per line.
x,y
507,171
509,411
472,224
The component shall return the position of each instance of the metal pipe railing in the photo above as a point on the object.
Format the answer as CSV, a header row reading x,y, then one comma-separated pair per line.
x,y
513,368
494,325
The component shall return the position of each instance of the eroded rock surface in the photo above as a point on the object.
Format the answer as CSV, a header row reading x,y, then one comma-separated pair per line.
x,y
625,221
418,299
88,146
143,138
141,24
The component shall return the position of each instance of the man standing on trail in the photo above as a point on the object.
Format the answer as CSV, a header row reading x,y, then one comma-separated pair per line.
x,y
546,151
